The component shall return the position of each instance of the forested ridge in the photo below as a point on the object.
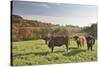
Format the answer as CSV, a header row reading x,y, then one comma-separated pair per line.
x,y
24,29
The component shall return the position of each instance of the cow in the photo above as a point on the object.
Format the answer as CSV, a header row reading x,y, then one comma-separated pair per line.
x,y
46,38
75,37
90,41
80,40
58,41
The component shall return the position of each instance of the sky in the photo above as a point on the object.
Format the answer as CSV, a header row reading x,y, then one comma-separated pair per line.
x,y
56,13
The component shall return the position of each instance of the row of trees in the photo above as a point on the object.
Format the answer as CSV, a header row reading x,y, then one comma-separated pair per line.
x,y
26,33
91,30
23,29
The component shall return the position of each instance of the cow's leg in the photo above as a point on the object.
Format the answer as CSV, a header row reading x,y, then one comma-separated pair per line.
x,y
88,47
52,49
66,46
78,45
91,48
81,44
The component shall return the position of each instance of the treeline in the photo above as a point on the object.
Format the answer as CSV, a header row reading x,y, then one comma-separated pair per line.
x,y
23,29
91,30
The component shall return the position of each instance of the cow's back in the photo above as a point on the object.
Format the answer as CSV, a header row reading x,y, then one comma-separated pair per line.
x,y
58,41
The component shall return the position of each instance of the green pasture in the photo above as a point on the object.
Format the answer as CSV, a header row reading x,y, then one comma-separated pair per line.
x,y
36,52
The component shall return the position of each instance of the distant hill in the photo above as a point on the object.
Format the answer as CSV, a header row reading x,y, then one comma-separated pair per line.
x,y
20,22
24,29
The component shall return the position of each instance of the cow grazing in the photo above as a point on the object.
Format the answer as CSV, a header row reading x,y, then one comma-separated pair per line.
x,y
90,41
58,41
80,40
46,39
75,37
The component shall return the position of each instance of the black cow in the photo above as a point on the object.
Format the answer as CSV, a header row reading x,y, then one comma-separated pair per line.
x,y
58,41
90,41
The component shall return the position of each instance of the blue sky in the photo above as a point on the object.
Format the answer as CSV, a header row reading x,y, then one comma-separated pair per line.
x,y
56,13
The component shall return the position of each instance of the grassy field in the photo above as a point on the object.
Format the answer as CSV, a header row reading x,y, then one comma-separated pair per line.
x,y
36,52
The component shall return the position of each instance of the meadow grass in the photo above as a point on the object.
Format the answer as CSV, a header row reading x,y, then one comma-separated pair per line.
x,y
36,52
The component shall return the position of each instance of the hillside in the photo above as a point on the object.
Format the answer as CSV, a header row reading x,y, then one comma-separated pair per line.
x,y
24,29
20,22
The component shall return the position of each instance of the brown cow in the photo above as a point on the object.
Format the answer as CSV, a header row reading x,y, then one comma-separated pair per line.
x,y
80,40
58,41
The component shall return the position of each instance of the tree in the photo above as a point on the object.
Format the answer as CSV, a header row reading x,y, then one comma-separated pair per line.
x,y
61,31
92,30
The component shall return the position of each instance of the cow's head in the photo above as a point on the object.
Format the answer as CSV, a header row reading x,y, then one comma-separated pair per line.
x,y
75,37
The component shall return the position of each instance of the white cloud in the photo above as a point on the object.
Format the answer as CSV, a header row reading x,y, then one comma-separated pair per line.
x,y
40,5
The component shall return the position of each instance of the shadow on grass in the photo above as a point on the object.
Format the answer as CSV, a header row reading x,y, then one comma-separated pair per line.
x,y
73,48
46,53
37,53
74,52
